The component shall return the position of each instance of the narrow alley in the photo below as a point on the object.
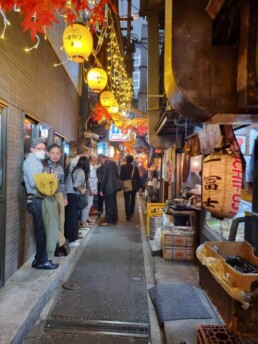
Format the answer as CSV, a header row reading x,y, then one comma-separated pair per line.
x,y
99,294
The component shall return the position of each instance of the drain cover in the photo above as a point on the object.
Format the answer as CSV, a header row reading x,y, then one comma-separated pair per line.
x,y
70,286
140,330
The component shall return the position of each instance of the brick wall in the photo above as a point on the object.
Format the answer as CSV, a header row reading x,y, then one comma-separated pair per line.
x,y
30,84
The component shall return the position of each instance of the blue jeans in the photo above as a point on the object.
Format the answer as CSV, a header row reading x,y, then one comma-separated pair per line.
x,y
34,208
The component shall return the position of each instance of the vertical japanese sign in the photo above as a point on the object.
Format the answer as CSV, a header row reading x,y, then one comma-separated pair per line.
x,y
222,183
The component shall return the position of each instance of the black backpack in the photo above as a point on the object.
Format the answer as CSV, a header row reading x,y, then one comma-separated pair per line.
x,y
66,172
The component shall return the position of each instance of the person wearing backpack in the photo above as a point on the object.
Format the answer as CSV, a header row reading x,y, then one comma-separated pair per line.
x,y
130,172
76,185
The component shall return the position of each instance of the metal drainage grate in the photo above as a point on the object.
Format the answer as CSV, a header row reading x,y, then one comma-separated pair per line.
x,y
99,326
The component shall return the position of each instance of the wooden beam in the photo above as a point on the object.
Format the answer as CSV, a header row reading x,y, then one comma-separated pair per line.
x,y
138,112
213,8
232,119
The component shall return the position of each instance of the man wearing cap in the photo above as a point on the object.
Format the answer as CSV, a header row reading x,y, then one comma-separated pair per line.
x,y
31,166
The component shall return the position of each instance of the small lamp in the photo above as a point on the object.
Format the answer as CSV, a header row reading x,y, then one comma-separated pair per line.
x,y
107,98
97,79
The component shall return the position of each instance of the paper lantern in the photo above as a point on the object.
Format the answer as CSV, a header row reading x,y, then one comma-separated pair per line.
x,y
102,148
222,183
78,42
97,79
113,108
107,98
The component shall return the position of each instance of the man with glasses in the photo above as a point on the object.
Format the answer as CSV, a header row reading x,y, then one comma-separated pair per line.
x,y
31,166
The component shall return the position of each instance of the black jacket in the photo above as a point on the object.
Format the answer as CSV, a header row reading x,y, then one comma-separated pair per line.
x,y
126,172
110,181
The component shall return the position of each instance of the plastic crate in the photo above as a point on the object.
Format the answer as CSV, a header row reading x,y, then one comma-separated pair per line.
x,y
216,334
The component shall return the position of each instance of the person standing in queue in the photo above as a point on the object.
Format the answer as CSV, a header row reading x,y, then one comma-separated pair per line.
x,y
76,184
109,185
92,190
81,151
31,166
130,171
100,198
54,154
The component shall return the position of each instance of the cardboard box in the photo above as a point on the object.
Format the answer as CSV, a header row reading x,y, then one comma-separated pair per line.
x,y
178,236
220,250
178,253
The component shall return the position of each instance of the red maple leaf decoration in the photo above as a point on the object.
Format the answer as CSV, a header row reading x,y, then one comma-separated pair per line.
x,y
38,15
100,114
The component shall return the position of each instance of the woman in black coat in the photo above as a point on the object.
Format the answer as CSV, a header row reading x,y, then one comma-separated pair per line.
x,y
129,171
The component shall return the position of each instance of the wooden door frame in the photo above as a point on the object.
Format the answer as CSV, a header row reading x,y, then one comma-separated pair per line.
x,y
3,112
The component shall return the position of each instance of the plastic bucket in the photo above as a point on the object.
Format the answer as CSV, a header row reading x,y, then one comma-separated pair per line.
x,y
155,222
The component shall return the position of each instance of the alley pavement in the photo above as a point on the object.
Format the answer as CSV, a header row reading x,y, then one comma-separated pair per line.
x,y
32,298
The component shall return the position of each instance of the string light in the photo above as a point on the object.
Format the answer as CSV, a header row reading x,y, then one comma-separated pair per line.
x,y
6,22
62,63
120,84
16,9
35,46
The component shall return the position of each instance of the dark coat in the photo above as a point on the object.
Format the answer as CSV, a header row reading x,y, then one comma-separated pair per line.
x,y
110,181
126,172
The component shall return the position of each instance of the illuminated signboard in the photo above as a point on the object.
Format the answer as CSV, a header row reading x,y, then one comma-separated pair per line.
x,y
116,134
102,148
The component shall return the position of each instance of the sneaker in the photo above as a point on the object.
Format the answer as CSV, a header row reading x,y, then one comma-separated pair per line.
x,y
94,212
74,243
85,226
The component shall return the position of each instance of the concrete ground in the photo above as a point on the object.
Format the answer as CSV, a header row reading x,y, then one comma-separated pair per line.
x,y
30,294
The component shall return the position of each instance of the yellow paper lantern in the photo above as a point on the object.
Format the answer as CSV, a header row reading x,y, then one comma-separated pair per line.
x,y
113,108
97,79
78,42
107,98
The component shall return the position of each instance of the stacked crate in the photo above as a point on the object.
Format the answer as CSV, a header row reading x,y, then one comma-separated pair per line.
x,y
216,334
178,243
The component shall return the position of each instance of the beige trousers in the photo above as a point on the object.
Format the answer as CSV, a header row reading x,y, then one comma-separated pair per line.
x,y
61,215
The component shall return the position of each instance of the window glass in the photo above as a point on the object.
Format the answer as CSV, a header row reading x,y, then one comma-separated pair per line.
x,y
43,133
29,133
32,129
58,141
136,80
65,147
66,154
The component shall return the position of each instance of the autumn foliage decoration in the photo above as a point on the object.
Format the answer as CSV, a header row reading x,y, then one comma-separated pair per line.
x,y
101,115
136,125
38,15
